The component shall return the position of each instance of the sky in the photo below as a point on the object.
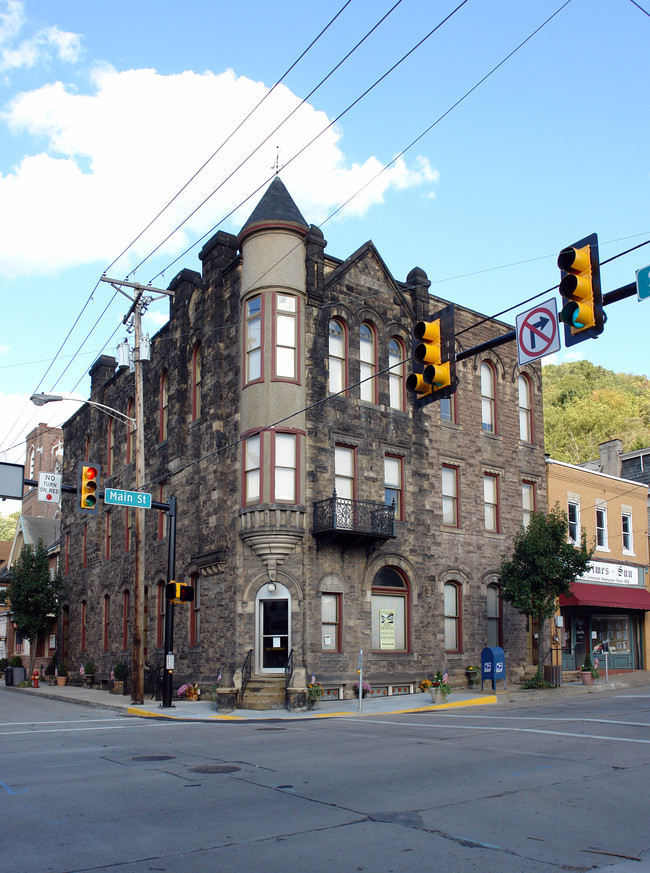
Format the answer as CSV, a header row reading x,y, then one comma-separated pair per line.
x,y
132,132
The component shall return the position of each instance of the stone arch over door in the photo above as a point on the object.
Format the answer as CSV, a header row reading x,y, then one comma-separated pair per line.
x,y
273,632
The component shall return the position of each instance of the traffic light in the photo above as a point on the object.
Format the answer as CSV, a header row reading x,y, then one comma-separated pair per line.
x,y
434,358
88,488
582,314
177,592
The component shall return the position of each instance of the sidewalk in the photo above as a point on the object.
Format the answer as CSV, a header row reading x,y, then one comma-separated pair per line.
x,y
460,697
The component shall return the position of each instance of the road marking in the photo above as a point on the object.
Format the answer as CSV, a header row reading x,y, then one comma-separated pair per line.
x,y
463,727
58,721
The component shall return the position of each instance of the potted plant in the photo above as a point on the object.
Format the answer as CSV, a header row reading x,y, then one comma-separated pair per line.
x,y
473,675
588,673
189,691
366,688
118,672
89,674
440,688
425,685
50,671
61,674
314,693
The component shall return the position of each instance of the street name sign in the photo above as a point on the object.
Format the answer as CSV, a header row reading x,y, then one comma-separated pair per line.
x,y
136,499
49,487
537,332
643,283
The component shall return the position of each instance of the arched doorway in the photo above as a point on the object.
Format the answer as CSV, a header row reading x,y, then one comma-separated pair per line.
x,y
273,628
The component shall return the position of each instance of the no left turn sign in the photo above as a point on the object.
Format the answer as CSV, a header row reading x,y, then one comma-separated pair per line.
x,y
537,332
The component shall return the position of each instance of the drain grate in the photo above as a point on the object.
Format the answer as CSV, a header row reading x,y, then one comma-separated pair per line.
x,y
154,758
215,768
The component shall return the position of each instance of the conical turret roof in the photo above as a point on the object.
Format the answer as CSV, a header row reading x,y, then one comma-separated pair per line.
x,y
275,209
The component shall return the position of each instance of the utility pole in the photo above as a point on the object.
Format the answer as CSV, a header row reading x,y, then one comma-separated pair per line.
x,y
138,304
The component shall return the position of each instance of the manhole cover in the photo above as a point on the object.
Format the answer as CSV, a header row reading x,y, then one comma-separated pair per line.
x,y
154,758
215,768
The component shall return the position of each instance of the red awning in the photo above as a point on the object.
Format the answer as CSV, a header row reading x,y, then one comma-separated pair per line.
x,y
616,596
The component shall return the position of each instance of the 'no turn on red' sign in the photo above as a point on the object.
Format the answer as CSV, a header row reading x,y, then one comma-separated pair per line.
x,y
537,332
49,487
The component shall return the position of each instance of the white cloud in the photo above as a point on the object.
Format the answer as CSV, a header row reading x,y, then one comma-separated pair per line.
x,y
110,159
46,43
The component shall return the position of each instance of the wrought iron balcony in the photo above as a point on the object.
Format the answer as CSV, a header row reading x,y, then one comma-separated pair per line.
x,y
352,522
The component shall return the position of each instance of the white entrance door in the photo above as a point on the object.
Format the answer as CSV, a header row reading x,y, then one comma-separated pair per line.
x,y
273,629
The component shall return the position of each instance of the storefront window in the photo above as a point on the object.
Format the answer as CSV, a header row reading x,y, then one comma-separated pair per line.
x,y
612,633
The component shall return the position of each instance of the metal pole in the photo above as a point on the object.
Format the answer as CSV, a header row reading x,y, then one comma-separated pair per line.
x,y
168,666
360,672
137,673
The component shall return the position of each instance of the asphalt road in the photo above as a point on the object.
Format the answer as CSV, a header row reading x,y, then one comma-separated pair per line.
x,y
539,788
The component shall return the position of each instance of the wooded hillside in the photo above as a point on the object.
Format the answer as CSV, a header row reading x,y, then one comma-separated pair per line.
x,y
586,405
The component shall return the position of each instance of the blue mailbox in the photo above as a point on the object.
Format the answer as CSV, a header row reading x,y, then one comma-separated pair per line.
x,y
493,665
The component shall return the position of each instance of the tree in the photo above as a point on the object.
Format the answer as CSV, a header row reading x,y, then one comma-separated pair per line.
x,y
8,526
34,595
543,565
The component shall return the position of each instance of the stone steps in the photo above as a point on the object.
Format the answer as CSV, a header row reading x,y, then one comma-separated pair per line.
x,y
263,693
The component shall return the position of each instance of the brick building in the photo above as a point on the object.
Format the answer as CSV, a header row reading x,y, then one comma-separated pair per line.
x,y
608,605
319,511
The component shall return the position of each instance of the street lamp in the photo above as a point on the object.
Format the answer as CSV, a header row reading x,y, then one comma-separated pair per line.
x,y
42,399
137,645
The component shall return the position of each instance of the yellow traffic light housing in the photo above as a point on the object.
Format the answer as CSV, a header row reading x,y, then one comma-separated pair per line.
x,y
434,358
582,314
88,479
178,592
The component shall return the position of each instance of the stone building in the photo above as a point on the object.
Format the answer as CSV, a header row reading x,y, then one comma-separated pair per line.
x,y
320,512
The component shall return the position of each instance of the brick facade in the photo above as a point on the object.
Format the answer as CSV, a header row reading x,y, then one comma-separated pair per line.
x,y
237,550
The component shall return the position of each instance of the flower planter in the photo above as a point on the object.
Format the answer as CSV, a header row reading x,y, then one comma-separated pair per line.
x,y
61,680
472,678
438,696
586,677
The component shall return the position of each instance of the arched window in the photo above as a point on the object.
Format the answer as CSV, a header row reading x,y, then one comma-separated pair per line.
x,y
494,636
390,622
161,603
396,357
196,382
83,625
488,398
164,406
129,431
368,363
525,410
125,619
452,603
195,611
110,439
106,622
337,356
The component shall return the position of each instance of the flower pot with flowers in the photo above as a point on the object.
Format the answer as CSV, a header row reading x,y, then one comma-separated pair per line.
x,y
425,685
439,688
366,688
588,673
189,691
314,693
473,675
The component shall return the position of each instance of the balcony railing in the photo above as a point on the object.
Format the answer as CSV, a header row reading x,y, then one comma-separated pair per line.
x,y
353,521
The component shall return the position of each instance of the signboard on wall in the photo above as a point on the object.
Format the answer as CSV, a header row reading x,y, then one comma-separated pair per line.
x,y
613,574
386,629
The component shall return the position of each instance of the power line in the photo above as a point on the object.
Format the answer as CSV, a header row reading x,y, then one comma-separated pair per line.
x,y
259,146
314,139
230,135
